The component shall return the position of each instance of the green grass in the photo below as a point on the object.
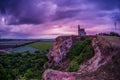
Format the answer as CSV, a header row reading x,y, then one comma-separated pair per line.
x,y
79,53
41,45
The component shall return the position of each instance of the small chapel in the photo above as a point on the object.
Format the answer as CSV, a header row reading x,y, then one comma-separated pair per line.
x,y
81,32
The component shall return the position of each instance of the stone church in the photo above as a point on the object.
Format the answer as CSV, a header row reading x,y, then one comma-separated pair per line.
x,y
81,32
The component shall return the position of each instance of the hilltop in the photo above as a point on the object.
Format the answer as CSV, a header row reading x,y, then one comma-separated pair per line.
x,y
84,58
68,58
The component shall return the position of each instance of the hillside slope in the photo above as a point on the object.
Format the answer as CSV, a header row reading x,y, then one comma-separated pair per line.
x,y
104,65
57,54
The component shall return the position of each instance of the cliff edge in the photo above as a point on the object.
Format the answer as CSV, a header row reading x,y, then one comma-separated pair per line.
x,y
104,65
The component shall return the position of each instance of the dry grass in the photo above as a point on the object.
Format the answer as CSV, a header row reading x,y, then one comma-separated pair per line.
x,y
114,41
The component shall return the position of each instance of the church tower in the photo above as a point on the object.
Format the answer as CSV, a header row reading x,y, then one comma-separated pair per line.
x,y
78,29
81,32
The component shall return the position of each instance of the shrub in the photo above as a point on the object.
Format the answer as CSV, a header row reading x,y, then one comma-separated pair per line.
x,y
74,66
55,67
79,53
77,48
114,34
22,66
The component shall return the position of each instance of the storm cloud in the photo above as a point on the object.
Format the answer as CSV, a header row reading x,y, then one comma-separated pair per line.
x,y
40,11
45,15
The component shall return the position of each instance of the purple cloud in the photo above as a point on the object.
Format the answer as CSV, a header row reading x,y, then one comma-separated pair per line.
x,y
50,18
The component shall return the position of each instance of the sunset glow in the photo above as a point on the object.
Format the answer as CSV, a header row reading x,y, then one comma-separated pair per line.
x,y
51,18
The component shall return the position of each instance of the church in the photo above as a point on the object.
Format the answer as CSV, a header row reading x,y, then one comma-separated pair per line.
x,y
81,32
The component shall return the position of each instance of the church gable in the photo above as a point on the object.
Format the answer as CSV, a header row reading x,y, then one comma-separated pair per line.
x,y
81,32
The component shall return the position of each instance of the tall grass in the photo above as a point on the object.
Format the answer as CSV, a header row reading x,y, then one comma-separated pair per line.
x,y
79,53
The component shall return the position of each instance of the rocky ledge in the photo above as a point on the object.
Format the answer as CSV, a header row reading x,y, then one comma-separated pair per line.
x,y
103,66
61,46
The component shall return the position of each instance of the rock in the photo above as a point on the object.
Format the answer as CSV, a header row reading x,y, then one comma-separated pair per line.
x,y
103,54
58,75
105,57
61,46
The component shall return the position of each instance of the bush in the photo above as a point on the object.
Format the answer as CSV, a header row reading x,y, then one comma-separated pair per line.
x,y
55,67
114,34
79,53
22,66
74,65
78,48
110,34
3,74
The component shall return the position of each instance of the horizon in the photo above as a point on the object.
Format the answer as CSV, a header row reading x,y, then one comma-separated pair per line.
x,y
48,19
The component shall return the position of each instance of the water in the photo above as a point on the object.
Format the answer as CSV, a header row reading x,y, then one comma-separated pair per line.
x,y
22,49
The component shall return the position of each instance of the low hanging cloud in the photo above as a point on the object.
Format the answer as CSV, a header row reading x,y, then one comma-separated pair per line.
x,y
39,17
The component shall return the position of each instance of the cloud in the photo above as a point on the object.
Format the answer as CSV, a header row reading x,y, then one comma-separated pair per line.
x,y
111,6
65,14
8,32
42,11
107,4
40,18
27,12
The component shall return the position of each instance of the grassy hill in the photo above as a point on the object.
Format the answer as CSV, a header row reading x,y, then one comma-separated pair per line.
x,y
31,66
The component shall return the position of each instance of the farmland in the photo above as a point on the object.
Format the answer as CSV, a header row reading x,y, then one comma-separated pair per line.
x,y
41,45
24,61
10,46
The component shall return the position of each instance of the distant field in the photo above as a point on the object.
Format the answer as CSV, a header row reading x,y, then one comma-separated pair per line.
x,y
114,41
41,45
12,44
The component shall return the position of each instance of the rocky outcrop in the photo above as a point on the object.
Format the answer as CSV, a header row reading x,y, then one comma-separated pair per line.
x,y
61,46
58,75
103,53
93,68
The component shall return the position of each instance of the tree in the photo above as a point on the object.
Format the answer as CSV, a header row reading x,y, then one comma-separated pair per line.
x,y
114,34
3,74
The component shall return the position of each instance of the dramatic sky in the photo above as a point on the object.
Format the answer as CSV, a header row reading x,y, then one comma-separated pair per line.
x,y
51,18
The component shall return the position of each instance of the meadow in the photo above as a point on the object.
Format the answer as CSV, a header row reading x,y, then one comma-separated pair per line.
x,y
41,45
21,64
13,43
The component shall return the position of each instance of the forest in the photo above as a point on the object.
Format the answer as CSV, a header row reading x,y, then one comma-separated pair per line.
x,y
22,66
